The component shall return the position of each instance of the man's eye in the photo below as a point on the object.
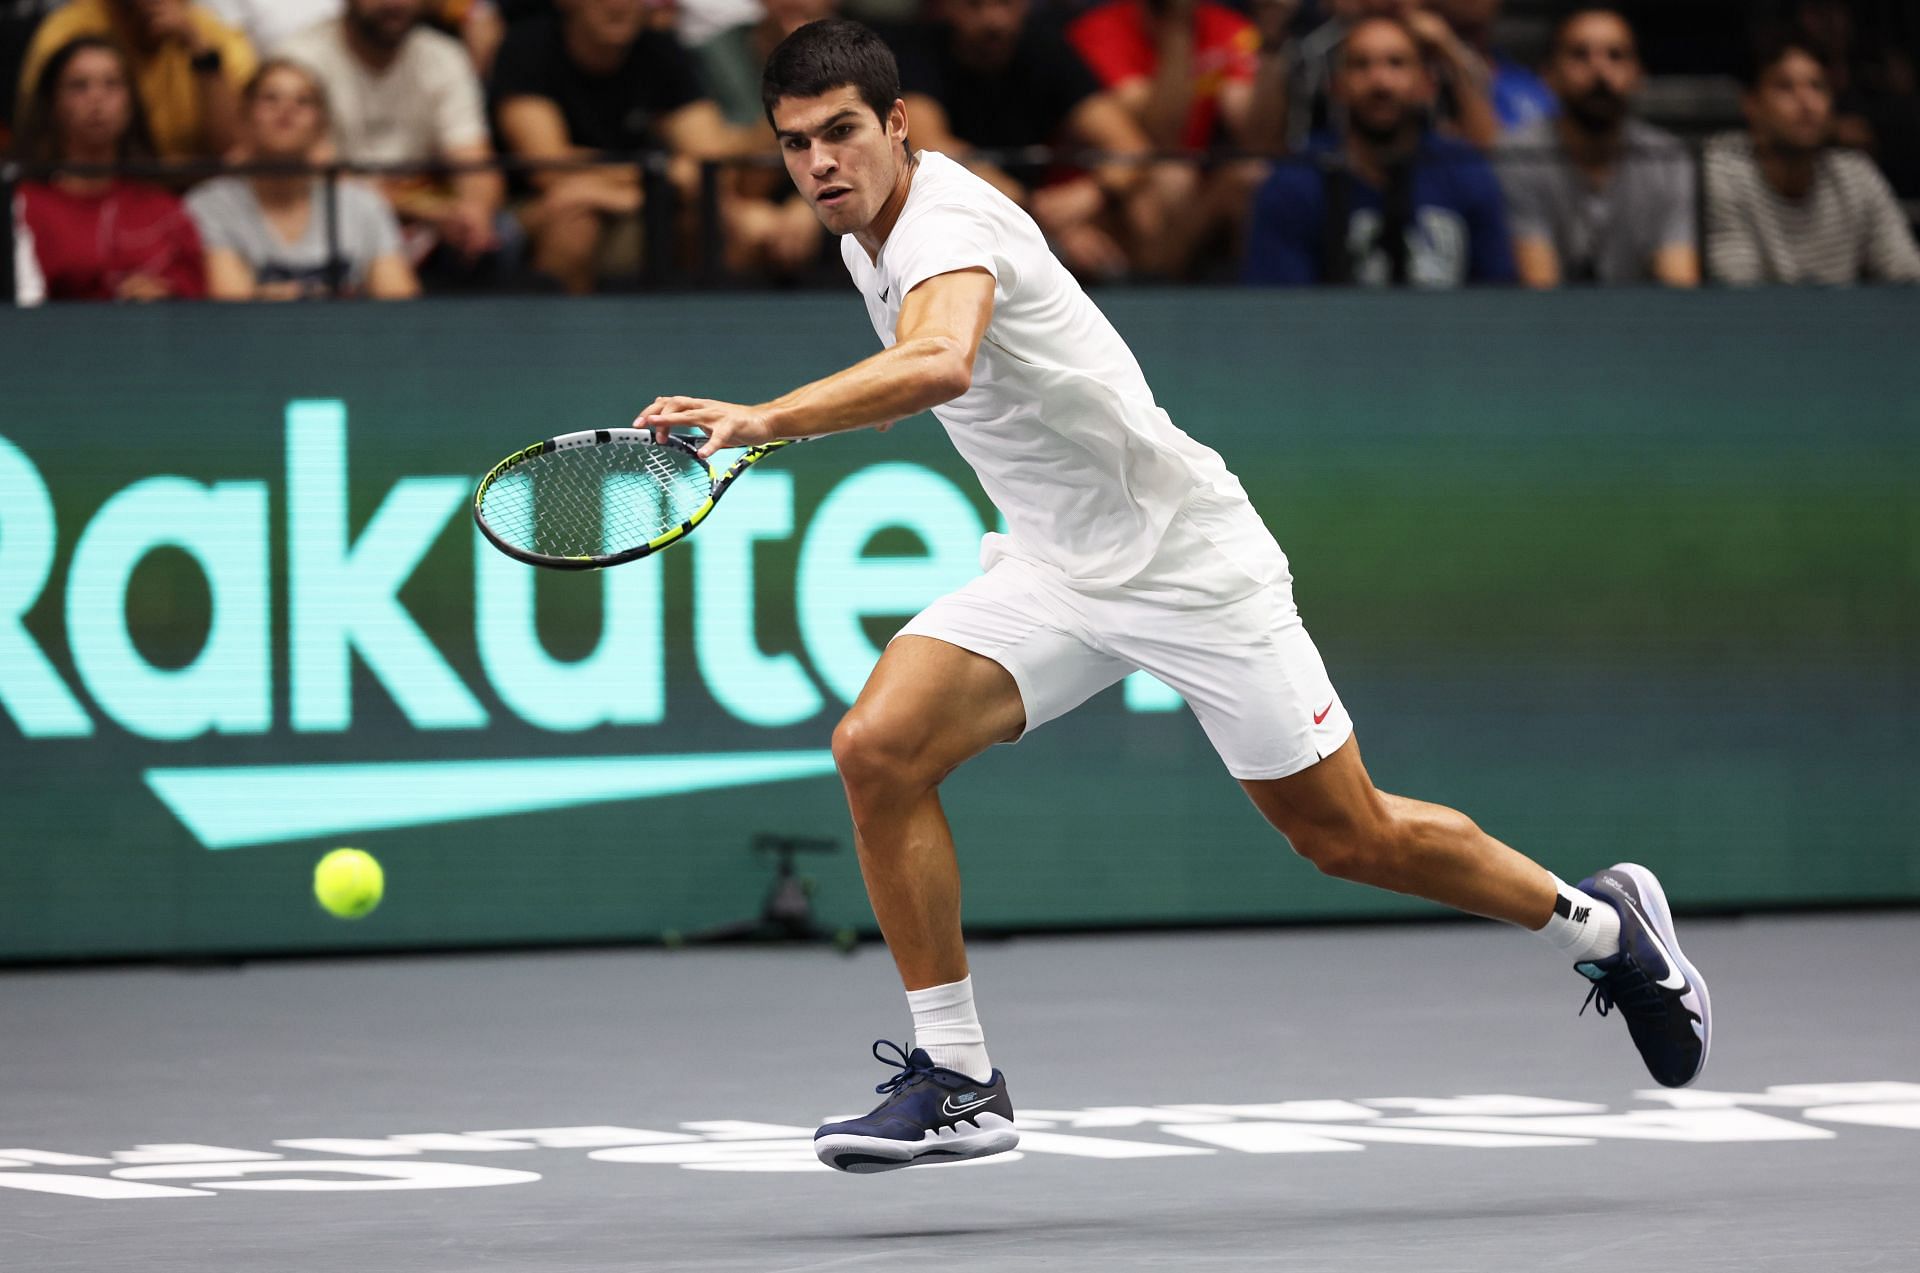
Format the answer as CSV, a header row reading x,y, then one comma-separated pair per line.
x,y
840,130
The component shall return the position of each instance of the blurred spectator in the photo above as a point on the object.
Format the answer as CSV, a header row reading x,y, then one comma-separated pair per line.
x,y
1781,206
99,237
1519,96
267,24
731,60
1183,68
1595,195
267,235
988,78
699,21
1391,204
769,228
188,67
1312,61
481,26
1871,49
401,93
18,18
598,79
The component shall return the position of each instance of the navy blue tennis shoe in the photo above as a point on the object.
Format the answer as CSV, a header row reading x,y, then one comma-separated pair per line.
x,y
931,1114
1662,996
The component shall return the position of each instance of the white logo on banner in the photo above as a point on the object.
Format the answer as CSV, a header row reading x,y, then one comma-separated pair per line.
x,y
1111,1132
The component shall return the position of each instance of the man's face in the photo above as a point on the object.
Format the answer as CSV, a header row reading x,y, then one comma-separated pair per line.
x,y
1381,80
844,160
1594,70
606,24
985,32
1791,108
384,23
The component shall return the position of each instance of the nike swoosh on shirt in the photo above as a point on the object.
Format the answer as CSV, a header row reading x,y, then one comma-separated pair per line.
x,y
1321,715
1673,980
948,1108
883,293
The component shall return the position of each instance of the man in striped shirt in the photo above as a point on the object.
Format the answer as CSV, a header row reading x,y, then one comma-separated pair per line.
x,y
1783,207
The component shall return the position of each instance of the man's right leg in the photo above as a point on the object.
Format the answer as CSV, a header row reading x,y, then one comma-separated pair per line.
x,y
928,707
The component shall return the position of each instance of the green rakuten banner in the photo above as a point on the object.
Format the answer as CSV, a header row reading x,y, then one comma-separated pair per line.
x,y
1622,575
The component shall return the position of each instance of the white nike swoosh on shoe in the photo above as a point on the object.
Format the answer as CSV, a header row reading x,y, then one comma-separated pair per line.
x,y
948,1108
1673,980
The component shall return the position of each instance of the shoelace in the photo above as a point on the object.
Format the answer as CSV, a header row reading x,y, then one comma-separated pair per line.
x,y
909,1074
1628,988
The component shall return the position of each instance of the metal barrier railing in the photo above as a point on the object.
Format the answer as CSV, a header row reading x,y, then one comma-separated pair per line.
x,y
670,261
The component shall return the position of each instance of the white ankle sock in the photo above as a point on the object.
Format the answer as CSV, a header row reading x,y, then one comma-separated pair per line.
x,y
945,1024
1583,926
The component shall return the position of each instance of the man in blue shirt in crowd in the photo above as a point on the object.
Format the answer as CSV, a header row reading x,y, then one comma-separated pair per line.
x,y
1391,202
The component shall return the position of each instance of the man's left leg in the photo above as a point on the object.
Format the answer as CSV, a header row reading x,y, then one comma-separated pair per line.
x,y
1616,926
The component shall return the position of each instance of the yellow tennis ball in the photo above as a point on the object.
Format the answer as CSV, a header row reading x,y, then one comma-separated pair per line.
x,y
349,883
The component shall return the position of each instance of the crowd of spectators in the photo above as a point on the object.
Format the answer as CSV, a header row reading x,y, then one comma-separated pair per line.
x,y
186,148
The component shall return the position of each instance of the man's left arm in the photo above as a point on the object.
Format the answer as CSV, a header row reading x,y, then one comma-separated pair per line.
x,y
1676,262
942,321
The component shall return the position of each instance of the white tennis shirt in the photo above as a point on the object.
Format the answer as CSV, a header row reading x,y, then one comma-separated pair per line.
x,y
1059,424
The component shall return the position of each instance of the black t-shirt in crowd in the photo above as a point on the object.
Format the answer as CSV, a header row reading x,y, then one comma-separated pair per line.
x,y
1024,104
616,112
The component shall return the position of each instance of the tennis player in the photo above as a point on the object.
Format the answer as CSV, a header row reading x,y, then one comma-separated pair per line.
x,y
1129,545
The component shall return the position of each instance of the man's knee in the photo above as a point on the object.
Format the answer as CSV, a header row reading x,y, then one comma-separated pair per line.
x,y
1366,850
876,759
1344,853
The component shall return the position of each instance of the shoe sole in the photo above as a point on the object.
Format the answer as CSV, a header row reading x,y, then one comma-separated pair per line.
x,y
1653,900
868,1155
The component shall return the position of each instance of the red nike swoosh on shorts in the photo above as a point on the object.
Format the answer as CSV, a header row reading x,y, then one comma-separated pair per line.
x,y
1321,715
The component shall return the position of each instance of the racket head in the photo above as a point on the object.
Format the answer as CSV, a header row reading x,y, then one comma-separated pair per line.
x,y
596,498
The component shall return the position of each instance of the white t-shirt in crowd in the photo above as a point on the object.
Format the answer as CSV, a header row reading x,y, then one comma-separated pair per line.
x,y
268,23
1059,425
424,103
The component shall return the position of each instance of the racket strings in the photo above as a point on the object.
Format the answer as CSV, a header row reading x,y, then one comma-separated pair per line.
x,y
592,501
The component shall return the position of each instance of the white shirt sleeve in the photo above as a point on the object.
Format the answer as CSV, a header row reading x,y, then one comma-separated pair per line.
x,y
460,118
944,238
29,284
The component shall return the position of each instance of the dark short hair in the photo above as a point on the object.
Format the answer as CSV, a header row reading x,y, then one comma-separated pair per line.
x,y
1578,12
1393,20
40,144
1770,49
828,54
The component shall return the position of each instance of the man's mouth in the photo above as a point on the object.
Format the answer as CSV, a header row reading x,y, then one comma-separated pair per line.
x,y
831,196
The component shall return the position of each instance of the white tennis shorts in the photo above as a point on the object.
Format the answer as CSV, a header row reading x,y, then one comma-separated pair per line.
x,y
1212,616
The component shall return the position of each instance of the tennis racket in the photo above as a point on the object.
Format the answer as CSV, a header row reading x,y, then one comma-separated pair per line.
x,y
597,498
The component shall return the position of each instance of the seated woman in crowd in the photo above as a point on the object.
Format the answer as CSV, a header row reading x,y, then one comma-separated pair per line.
x,y
267,235
98,237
